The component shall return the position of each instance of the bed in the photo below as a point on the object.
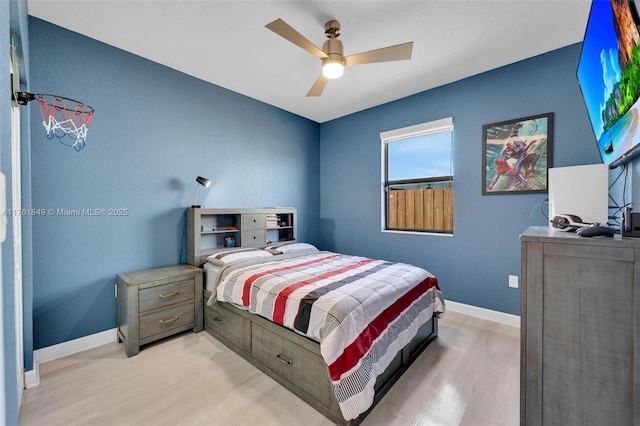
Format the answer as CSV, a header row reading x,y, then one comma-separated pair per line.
x,y
336,330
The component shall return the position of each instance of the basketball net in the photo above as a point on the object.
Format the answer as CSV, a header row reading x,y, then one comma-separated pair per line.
x,y
64,117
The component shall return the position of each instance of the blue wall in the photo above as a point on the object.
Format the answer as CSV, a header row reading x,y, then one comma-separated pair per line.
x,y
155,130
473,265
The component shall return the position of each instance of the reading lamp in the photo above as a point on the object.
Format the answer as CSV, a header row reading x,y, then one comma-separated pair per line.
x,y
200,181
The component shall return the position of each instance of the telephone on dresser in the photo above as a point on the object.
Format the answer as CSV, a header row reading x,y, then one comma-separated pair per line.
x,y
630,223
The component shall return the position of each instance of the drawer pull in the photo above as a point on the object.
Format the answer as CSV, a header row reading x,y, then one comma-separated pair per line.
x,y
284,360
218,320
164,296
169,320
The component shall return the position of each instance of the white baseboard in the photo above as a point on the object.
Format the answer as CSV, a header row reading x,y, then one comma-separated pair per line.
x,y
488,314
32,377
74,346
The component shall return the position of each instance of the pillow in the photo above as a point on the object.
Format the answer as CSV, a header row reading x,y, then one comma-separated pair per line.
x,y
228,256
293,247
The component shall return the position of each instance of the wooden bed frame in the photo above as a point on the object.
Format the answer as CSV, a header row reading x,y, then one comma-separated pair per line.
x,y
294,361
289,358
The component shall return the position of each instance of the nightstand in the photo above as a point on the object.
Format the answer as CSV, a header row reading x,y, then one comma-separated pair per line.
x,y
157,303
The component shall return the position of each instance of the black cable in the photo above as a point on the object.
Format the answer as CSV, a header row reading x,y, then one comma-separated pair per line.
x,y
618,208
624,186
182,240
618,177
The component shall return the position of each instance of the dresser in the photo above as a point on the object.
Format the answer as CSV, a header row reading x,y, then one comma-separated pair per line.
x,y
580,329
156,303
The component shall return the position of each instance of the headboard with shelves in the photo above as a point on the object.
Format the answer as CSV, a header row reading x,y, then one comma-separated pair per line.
x,y
207,229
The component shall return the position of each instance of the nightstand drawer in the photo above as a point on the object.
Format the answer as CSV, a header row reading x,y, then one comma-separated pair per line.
x,y
254,221
253,238
165,320
165,295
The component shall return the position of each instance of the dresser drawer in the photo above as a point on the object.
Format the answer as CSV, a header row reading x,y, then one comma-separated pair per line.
x,y
254,238
295,364
165,295
180,316
229,325
254,221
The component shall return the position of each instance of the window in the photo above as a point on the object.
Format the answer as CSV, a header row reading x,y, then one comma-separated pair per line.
x,y
418,178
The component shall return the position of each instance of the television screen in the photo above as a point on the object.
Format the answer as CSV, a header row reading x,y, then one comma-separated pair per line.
x,y
609,77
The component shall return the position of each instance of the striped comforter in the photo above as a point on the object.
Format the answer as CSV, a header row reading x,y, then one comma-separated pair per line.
x,y
362,311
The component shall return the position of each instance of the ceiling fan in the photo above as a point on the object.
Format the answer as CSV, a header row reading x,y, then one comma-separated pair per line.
x,y
331,54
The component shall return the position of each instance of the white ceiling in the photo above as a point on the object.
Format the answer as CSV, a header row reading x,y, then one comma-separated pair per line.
x,y
226,43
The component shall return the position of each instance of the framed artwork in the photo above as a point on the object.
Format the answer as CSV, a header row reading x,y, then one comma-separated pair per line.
x,y
516,155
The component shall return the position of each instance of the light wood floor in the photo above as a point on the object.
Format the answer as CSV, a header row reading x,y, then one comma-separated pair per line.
x,y
468,376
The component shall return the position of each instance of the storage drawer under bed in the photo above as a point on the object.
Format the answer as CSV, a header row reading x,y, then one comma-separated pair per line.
x,y
230,326
293,363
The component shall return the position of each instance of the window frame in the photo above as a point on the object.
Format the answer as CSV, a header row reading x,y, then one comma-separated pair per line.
x,y
387,137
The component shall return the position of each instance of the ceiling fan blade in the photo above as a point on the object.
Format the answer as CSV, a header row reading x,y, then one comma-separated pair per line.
x,y
398,52
318,86
288,32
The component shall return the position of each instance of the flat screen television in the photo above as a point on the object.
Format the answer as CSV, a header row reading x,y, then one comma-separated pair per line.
x,y
609,78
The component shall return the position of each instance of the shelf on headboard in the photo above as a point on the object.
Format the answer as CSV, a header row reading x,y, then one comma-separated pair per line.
x,y
251,228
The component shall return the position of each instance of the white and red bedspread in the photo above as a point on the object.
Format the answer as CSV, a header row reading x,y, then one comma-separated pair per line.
x,y
362,311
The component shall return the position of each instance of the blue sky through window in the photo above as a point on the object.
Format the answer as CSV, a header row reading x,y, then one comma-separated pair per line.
x,y
420,157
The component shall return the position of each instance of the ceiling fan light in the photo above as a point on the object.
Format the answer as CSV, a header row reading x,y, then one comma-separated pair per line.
x,y
332,69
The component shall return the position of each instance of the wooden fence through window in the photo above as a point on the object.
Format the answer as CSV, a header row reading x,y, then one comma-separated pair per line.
x,y
421,209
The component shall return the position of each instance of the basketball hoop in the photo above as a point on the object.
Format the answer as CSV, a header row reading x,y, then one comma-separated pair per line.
x,y
62,117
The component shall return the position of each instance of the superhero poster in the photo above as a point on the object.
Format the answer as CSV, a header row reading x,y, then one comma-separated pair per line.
x,y
517,155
